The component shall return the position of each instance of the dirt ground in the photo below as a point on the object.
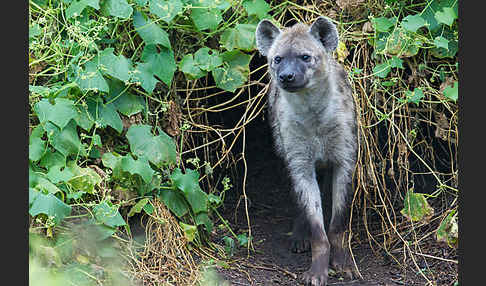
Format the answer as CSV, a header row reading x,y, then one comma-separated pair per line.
x,y
271,214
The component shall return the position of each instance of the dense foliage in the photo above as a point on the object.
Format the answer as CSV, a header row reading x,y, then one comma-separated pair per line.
x,y
105,78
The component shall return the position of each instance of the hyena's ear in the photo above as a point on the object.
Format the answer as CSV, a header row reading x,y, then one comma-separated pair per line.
x,y
265,34
325,31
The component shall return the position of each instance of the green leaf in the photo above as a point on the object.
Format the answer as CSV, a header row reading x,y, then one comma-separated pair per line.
x,y
159,149
59,113
237,60
396,62
448,230
34,31
115,66
52,159
214,200
157,64
77,6
110,117
66,141
165,10
195,66
174,201
414,96
434,6
90,77
412,23
150,32
188,183
185,182
229,79
33,177
37,132
416,208
148,208
235,71
104,114
203,218
137,208
242,239
85,179
256,7
140,166
37,148
445,53
189,231
190,68
43,184
163,62
129,104
56,175
229,245
83,118
382,70
49,205
402,43
126,103
441,42
207,59
446,16
111,160
108,214
241,37
117,8
33,194
382,24
206,18
145,75
452,92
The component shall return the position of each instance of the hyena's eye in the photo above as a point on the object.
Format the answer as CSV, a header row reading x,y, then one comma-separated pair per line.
x,y
306,58
277,59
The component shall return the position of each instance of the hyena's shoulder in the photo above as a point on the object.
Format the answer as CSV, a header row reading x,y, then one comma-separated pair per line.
x,y
341,78
343,86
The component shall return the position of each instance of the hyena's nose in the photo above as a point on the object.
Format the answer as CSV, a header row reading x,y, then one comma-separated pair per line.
x,y
286,77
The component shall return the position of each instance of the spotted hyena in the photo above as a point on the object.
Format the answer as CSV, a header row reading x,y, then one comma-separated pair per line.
x,y
313,118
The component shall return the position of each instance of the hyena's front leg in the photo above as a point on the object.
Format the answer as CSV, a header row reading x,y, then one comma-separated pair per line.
x,y
309,202
340,259
300,240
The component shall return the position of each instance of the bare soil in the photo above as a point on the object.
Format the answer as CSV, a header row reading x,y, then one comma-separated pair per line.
x,y
271,212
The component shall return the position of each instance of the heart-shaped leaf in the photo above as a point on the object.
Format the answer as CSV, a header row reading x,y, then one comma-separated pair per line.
x,y
416,208
49,205
412,23
159,149
149,31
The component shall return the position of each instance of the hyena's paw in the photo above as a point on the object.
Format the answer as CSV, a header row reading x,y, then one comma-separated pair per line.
x,y
311,278
318,273
341,262
299,243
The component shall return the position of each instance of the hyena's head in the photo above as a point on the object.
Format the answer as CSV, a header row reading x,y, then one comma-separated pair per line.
x,y
297,56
